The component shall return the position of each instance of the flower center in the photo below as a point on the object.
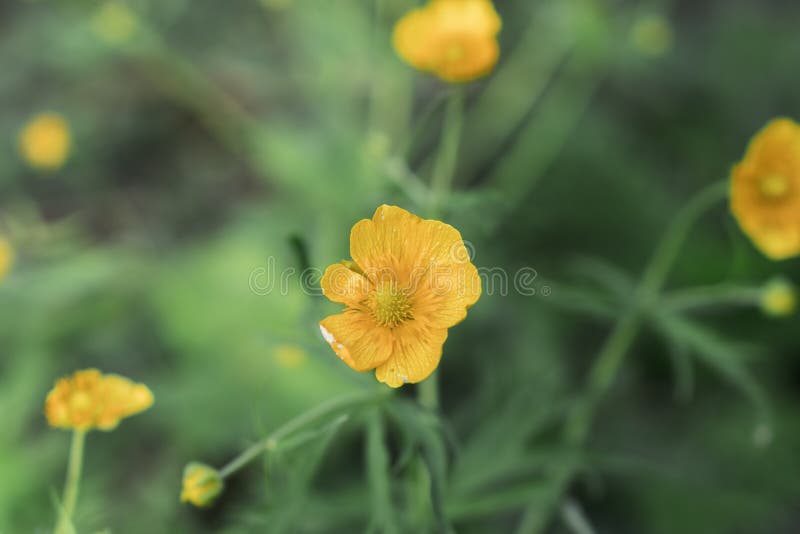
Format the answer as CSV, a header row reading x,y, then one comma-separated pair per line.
x,y
774,186
390,305
454,52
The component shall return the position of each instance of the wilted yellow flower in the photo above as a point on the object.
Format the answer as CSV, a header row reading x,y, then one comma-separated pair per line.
x,y
91,400
765,190
652,35
454,39
45,141
779,298
410,280
114,22
201,484
6,257
290,356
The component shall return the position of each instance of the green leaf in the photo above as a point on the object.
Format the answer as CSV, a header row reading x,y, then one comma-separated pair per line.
x,y
377,460
720,355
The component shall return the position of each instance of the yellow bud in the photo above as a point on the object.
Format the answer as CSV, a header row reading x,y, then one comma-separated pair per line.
x,y
6,257
201,484
114,22
45,141
290,356
779,298
652,35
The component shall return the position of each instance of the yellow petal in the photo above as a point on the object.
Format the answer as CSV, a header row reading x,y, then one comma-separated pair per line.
x,y
357,339
344,285
400,243
416,355
443,303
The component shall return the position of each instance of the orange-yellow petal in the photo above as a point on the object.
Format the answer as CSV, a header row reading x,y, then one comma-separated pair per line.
x,y
416,354
765,190
357,339
453,289
454,39
399,243
343,284
88,400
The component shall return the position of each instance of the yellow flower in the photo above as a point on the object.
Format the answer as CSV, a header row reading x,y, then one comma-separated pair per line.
x,y
410,280
6,257
652,35
90,400
201,484
779,298
114,22
765,190
454,39
290,356
45,141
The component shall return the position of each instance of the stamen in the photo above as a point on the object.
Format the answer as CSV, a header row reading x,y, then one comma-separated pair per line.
x,y
390,305
774,186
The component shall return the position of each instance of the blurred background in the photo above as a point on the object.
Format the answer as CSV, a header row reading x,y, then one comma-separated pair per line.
x,y
211,142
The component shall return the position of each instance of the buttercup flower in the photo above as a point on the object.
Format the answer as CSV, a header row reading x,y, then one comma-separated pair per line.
x,y
6,257
90,400
410,280
652,35
201,484
45,141
765,190
779,298
114,22
454,39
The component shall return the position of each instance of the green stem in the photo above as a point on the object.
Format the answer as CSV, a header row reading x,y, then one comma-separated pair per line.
x,y
428,392
703,297
612,354
445,165
269,443
441,184
72,484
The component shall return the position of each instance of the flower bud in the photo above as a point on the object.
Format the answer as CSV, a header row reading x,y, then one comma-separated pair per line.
x,y
201,484
779,298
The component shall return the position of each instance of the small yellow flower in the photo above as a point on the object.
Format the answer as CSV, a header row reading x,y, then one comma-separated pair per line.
x,y
410,280
6,257
454,39
765,190
114,22
201,484
290,356
779,298
91,400
652,35
45,141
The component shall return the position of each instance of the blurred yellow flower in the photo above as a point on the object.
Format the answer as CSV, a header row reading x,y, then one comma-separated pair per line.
x,y
765,190
454,39
290,356
652,35
45,141
90,400
201,484
410,280
779,298
6,257
114,22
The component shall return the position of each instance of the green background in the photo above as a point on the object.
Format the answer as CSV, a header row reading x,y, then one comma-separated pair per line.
x,y
223,134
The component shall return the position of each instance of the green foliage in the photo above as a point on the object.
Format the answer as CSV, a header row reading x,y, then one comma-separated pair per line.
x,y
223,142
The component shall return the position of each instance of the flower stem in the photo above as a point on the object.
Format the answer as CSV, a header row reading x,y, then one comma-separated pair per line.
x,y
72,484
269,443
428,392
441,183
445,164
612,354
